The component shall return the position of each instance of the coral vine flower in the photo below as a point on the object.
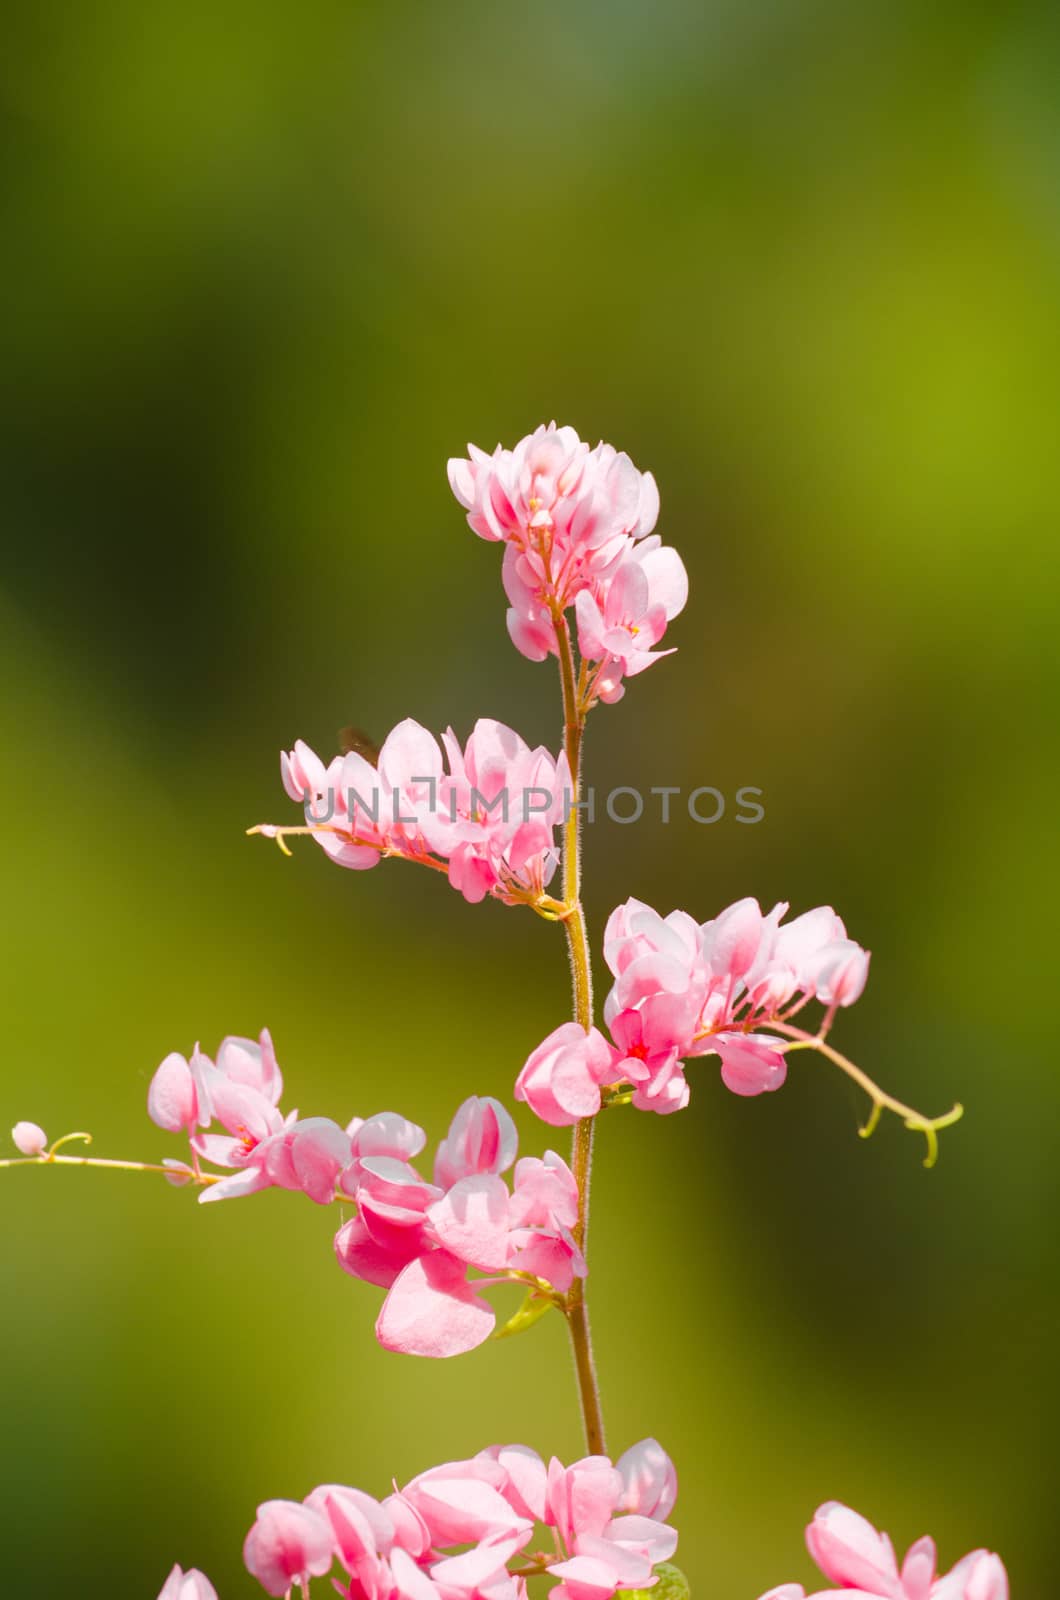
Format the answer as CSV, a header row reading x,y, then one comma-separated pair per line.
x,y
649,1480
190,1585
862,1564
486,813
288,1544
562,1077
456,1530
575,522
420,1240
621,617
240,1091
684,989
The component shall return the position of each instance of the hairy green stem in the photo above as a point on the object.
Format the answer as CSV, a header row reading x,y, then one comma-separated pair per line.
x,y
582,980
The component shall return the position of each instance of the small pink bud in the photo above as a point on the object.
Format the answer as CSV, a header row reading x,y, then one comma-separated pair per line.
x,y
190,1585
29,1138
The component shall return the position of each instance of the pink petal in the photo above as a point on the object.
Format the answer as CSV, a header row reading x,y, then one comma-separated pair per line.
x,y
525,1478
586,1578
477,1566
649,1479
667,579
848,1549
364,1257
472,1221
750,1063
171,1100
482,1138
460,1507
412,1583
918,1570
247,1181
190,1585
388,1134
432,1311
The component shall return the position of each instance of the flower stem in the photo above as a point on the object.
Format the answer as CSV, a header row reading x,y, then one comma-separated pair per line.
x,y
581,975
201,1180
914,1120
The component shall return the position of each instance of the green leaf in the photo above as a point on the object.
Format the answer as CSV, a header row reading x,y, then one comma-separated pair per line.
x,y
534,1306
672,1585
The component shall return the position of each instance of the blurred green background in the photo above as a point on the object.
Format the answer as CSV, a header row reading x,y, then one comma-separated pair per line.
x,y
266,268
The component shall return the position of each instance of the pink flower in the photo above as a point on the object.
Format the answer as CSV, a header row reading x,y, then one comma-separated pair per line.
x,y
496,814
172,1097
606,1551
751,1063
487,813
659,970
263,1148
190,1585
453,1532
29,1138
648,1060
421,1240
862,1563
552,484
683,990
850,1551
462,1503
521,1478
574,522
582,1498
623,616
288,1544
979,1576
342,798
561,1079
252,1063
481,1138
363,1532
309,1155
240,1092
649,1480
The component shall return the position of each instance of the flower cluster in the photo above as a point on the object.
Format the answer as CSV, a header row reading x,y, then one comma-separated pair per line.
x,y
456,1531
861,1563
486,813
419,1240
685,989
577,526
416,1238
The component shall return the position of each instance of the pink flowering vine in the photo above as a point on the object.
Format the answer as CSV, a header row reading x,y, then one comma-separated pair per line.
x,y
590,583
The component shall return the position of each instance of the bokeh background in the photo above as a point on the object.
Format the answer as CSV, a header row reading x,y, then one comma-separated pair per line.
x,y
266,268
